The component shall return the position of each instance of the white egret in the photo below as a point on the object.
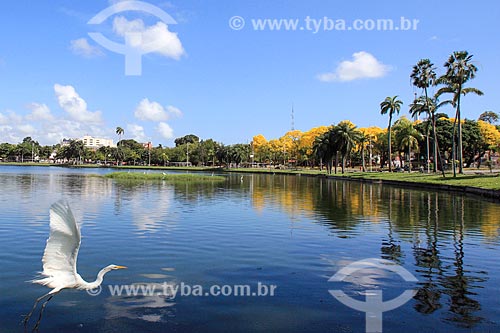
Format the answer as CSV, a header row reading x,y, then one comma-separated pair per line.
x,y
59,258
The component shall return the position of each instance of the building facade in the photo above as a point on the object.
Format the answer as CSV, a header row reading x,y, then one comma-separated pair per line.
x,y
96,143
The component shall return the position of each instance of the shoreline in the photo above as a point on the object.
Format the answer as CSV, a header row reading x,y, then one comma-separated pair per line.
x,y
431,180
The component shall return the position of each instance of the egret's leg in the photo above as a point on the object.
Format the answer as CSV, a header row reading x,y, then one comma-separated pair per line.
x,y
35,329
28,316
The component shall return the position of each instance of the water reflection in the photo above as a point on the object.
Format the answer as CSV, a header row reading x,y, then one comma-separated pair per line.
x,y
241,231
149,308
434,223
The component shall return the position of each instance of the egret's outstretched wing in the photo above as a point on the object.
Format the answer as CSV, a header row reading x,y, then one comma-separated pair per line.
x,y
61,251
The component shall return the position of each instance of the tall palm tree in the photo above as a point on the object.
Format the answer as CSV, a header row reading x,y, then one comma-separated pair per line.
x,y
459,70
453,89
391,105
430,105
345,137
119,131
424,75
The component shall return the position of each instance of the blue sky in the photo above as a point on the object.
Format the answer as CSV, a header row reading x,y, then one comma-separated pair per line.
x,y
226,84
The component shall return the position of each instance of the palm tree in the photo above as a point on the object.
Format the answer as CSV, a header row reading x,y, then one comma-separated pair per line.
x,y
319,150
459,70
119,131
323,150
407,137
75,151
424,75
345,136
429,105
363,140
391,105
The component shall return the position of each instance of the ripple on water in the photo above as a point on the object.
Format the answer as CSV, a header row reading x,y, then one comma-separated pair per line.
x,y
293,232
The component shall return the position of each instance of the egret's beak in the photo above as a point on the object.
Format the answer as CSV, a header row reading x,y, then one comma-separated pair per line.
x,y
121,267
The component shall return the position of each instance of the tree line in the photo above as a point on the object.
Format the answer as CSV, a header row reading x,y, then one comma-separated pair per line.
x,y
438,143
188,150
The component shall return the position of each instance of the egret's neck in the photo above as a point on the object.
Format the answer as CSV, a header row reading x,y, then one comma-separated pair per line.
x,y
98,280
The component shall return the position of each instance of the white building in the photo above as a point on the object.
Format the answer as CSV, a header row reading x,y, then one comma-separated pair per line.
x,y
92,142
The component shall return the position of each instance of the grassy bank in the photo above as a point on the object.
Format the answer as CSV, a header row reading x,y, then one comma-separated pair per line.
x,y
489,181
170,178
484,181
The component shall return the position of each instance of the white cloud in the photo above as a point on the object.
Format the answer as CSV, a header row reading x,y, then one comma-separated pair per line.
x,y
156,38
8,134
174,111
27,129
82,47
136,132
3,119
48,128
74,105
39,112
152,111
364,65
165,130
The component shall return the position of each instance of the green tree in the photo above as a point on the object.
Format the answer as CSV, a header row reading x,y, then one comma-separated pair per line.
x,y
222,154
424,76
474,143
238,153
105,153
459,70
118,154
190,138
207,151
132,151
489,117
7,150
391,105
407,137
46,151
444,129
72,152
323,151
362,141
345,137
27,147
430,106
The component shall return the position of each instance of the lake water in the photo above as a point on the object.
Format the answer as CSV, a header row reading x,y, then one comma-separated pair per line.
x,y
290,232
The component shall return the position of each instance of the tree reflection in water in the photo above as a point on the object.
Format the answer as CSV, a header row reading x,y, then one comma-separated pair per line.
x,y
433,224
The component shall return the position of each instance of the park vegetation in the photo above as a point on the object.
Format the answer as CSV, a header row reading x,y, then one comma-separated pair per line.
x,y
166,177
437,143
